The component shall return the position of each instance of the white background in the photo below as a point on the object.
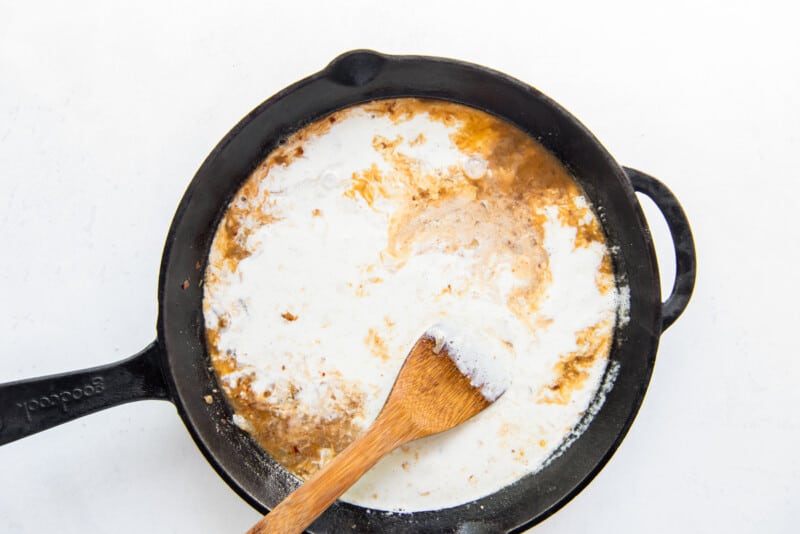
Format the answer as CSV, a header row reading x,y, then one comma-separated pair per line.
x,y
106,113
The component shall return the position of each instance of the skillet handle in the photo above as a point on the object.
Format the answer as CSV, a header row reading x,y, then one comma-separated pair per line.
x,y
36,404
682,240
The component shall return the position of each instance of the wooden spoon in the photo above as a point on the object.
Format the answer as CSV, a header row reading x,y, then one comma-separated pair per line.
x,y
435,390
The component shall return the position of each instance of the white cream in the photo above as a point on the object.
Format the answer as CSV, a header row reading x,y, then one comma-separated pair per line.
x,y
330,271
482,363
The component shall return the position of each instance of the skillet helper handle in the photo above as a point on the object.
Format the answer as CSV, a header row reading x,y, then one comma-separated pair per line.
x,y
682,241
32,405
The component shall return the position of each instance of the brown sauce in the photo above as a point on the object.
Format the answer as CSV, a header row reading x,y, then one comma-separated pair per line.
x,y
524,176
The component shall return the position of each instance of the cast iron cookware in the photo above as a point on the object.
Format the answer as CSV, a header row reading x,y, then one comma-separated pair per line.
x,y
176,366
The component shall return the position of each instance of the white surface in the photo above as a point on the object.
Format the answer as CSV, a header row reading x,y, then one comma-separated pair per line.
x,y
106,112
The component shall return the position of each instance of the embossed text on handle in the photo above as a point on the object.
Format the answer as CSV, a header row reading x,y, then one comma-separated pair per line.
x,y
63,399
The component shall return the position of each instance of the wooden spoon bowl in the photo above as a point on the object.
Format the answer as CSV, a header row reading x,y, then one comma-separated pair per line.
x,y
430,395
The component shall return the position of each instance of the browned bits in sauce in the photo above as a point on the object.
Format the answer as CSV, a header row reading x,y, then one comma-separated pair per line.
x,y
381,144
605,275
212,338
377,345
298,441
232,234
285,156
366,184
522,176
573,369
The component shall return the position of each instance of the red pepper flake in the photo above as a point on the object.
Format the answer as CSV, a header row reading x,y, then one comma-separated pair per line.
x,y
185,284
289,316
316,213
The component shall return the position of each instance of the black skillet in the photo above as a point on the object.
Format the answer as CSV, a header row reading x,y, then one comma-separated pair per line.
x,y
175,367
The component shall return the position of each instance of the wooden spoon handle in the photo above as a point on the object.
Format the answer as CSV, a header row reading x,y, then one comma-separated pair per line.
x,y
303,506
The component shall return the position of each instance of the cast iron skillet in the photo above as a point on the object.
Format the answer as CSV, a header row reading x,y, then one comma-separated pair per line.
x,y
175,367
